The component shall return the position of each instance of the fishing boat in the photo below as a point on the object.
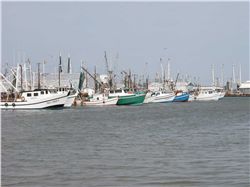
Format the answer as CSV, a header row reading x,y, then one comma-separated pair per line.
x,y
37,99
207,94
191,97
161,97
220,92
181,97
126,97
100,100
72,93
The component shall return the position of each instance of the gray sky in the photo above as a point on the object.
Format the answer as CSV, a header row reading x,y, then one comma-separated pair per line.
x,y
193,35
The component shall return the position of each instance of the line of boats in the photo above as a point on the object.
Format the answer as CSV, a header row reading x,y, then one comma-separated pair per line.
x,y
19,92
68,97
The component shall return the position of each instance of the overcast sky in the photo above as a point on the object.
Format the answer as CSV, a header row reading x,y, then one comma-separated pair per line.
x,y
193,35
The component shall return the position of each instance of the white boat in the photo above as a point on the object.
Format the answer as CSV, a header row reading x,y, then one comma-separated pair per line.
x,y
191,97
71,95
100,100
220,92
37,99
160,97
207,95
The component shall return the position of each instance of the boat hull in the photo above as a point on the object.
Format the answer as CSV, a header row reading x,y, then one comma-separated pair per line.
x,y
164,98
103,102
70,100
207,98
181,98
131,100
52,102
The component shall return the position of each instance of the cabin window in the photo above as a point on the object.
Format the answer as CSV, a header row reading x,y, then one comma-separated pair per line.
x,y
118,91
28,94
42,92
35,94
111,91
210,92
46,91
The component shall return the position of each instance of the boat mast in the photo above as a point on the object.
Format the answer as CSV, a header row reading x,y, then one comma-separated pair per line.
x,y
110,82
69,65
134,85
44,62
222,75
8,82
213,79
21,73
84,69
59,70
17,75
240,74
169,69
38,76
233,75
95,76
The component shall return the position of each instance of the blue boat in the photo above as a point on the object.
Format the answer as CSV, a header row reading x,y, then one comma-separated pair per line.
x,y
181,97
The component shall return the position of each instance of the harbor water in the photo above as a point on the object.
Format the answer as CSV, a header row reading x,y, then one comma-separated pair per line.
x,y
173,144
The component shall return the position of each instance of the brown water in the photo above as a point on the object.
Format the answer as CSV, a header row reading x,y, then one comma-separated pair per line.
x,y
173,144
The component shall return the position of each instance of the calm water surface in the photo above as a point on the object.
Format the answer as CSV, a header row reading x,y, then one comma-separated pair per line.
x,y
174,144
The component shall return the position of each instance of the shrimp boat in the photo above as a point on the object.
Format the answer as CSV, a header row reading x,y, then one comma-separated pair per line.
x,y
208,94
37,99
181,97
100,100
72,93
160,97
126,97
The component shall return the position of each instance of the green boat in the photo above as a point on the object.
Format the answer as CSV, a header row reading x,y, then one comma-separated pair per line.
x,y
127,98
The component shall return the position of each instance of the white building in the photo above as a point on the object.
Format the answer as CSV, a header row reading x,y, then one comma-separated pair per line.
x,y
245,87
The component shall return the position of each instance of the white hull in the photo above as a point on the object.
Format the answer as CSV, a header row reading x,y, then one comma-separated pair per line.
x,y
70,100
163,99
148,98
210,97
55,100
221,95
101,102
191,98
